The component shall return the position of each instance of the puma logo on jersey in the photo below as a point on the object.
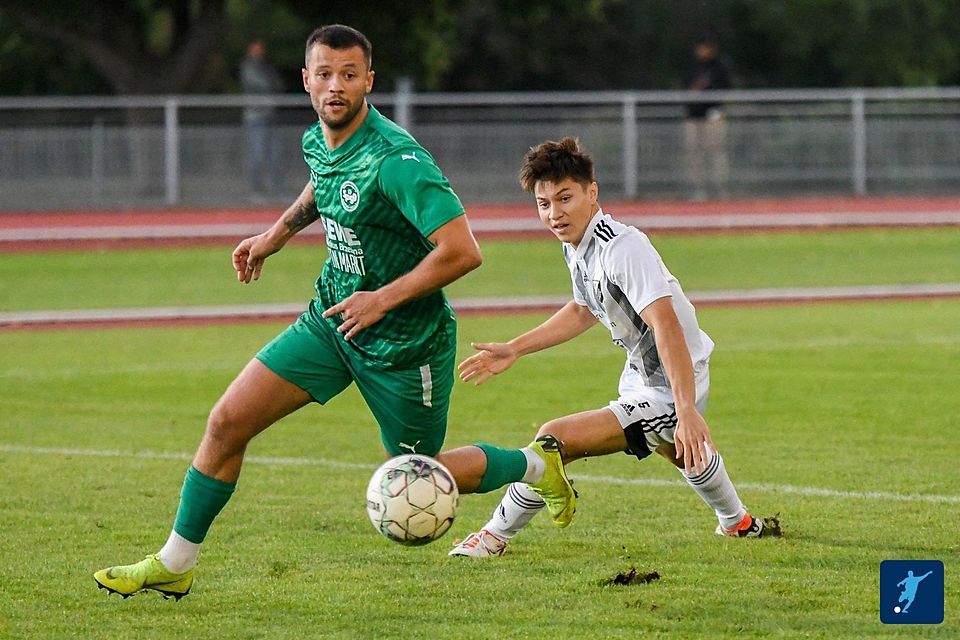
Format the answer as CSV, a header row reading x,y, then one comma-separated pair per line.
x,y
409,156
411,447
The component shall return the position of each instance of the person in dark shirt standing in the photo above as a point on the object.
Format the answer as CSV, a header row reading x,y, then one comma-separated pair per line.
x,y
260,78
705,126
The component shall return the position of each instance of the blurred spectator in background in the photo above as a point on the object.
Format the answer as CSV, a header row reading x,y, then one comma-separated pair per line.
x,y
705,127
259,77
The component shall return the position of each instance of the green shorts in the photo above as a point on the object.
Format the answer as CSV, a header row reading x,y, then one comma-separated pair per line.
x,y
410,405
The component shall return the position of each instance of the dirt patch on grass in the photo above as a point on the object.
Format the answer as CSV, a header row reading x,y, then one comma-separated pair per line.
x,y
630,577
772,527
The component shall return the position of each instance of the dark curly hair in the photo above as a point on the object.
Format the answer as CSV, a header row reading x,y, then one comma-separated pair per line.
x,y
554,162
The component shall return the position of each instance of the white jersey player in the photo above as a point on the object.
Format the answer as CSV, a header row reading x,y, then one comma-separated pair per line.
x,y
617,273
620,281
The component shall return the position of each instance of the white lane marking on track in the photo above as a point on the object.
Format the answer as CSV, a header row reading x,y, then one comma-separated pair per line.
x,y
483,305
145,369
588,351
339,464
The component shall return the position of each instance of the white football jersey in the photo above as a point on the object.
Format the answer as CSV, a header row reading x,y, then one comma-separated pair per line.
x,y
616,273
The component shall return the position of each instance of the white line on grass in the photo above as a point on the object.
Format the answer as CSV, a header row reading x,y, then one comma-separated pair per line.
x,y
781,488
19,373
172,455
286,311
339,464
586,350
783,343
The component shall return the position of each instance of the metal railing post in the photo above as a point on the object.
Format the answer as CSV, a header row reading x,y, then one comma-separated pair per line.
x,y
631,138
171,150
858,120
97,158
403,97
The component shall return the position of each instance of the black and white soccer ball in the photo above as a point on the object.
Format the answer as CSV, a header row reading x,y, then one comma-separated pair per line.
x,y
412,499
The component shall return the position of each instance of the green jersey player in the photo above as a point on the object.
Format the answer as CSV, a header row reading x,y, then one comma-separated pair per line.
x,y
396,234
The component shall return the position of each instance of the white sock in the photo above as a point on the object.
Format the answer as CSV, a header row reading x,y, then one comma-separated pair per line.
x,y
179,554
535,466
517,507
715,488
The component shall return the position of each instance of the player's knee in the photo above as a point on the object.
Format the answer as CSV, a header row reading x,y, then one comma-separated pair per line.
x,y
553,428
669,452
559,430
222,425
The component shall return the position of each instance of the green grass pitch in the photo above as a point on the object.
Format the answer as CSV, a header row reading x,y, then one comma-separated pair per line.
x,y
202,276
839,417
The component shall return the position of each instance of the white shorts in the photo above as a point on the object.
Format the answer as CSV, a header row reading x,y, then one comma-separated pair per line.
x,y
647,414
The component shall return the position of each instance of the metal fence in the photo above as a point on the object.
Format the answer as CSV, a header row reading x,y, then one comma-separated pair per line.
x,y
80,153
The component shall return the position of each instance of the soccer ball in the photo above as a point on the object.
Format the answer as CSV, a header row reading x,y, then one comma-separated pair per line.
x,y
412,499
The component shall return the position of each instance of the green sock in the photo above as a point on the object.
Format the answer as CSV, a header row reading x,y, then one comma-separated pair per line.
x,y
503,467
201,499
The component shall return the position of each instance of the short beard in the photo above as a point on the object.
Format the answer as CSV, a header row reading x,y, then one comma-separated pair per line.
x,y
344,122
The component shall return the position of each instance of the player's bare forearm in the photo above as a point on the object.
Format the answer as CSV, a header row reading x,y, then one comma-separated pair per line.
x,y
672,347
456,254
298,216
250,254
692,434
569,322
494,358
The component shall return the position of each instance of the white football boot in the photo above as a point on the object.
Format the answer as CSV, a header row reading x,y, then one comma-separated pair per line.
x,y
481,544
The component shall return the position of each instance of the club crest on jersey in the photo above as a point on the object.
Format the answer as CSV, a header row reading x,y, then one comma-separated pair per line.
x,y
349,196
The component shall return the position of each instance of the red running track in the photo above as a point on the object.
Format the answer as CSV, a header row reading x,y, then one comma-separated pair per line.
x,y
772,207
25,231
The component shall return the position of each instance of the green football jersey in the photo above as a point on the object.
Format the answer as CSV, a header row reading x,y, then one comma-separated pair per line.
x,y
379,195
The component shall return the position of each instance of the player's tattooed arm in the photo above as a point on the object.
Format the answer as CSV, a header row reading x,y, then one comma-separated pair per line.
x,y
303,212
250,254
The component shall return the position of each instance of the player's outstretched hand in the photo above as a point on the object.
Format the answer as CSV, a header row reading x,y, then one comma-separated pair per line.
x,y
494,358
249,256
692,439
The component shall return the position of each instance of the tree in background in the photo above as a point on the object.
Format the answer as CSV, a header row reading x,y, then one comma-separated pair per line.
x,y
646,44
136,47
410,39
853,43
189,46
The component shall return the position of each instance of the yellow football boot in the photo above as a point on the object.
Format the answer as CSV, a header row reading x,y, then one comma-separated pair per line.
x,y
149,573
555,488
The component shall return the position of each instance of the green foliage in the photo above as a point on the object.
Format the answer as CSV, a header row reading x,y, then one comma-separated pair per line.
x,y
825,43
449,45
410,39
31,66
136,47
